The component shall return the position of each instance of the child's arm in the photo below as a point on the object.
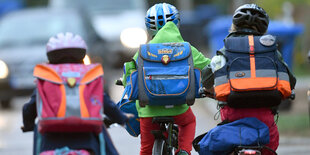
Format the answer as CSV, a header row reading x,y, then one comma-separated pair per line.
x,y
29,113
112,111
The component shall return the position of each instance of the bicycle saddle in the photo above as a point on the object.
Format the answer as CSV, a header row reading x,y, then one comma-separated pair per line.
x,y
162,119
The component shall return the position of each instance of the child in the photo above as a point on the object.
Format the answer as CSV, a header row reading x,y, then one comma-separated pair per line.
x,y
250,20
70,48
162,22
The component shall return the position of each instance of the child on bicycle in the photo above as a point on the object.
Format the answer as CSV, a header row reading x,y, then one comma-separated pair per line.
x,y
250,20
162,22
70,48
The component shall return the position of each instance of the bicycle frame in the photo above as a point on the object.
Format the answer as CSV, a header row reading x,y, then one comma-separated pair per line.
x,y
166,138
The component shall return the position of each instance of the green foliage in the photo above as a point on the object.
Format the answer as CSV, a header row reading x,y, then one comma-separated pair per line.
x,y
32,3
297,124
274,7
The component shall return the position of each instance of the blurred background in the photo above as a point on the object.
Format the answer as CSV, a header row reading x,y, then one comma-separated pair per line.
x,y
114,30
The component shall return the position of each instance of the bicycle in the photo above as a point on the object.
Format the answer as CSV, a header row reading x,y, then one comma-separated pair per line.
x,y
165,144
166,138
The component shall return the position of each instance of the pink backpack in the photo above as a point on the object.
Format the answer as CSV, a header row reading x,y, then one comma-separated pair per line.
x,y
69,97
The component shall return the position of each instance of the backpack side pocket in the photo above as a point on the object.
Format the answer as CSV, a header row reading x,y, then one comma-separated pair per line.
x,y
132,86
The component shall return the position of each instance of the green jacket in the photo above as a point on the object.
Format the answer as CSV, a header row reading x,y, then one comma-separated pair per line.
x,y
169,33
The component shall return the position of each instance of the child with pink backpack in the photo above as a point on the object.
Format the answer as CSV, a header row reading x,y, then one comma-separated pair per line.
x,y
69,101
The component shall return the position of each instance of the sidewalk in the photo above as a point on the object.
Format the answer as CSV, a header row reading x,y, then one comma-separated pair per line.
x,y
294,146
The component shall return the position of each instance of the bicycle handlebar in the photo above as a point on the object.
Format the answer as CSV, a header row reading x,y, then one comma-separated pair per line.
x,y
107,122
204,93
119,82
293,95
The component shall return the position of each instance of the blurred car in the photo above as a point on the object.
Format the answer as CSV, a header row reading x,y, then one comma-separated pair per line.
x,y
7,6
23,36
120,23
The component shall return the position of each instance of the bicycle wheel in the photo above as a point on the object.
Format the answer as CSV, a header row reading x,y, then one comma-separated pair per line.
x,y
160,148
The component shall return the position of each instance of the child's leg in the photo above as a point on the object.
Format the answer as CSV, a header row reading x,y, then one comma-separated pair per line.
x,y
274,139
187,125
147,139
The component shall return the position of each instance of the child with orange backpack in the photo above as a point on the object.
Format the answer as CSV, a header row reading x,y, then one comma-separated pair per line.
x,y
69,101
250,76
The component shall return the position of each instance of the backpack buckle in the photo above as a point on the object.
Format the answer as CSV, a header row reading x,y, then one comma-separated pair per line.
x,y
165,59
71,82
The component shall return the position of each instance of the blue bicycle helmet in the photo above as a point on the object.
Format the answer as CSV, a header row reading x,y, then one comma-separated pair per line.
x,y
158,15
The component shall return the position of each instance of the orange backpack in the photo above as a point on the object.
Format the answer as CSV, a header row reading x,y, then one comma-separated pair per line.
x,y
69,97
253,75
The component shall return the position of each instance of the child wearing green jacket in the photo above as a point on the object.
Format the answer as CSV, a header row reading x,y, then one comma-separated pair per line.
x,y
165,30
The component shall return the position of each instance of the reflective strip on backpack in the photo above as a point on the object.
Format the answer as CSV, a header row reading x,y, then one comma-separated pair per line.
x,y
165,77
252,57
247,73
72,101
220,80
283,76
266,73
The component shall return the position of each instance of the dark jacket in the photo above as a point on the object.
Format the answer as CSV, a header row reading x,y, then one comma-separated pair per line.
x,y
90,141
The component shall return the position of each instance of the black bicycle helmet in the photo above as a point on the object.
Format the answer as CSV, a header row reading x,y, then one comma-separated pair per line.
x,y
251,15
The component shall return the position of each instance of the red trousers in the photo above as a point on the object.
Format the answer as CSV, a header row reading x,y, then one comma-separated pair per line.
x,y
186,123
263,114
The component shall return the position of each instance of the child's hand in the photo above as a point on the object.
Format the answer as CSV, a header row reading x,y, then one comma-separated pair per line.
x,y
129,115
217,62
204,92
26,129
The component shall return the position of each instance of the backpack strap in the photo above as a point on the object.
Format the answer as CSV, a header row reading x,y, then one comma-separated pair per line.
x,y
143,99
190,97
197,140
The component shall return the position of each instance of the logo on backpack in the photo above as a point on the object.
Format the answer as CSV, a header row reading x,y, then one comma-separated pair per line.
x,y
69,97
165,59
253,75
267,40
95,100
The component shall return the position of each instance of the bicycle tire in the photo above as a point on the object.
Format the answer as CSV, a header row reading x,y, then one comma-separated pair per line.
x,y
160,147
